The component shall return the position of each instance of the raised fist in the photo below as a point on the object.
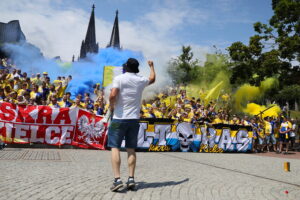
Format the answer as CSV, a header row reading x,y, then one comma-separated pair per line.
x,y
150,63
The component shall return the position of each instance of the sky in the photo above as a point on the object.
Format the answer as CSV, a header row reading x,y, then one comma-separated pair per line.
x,y
156,28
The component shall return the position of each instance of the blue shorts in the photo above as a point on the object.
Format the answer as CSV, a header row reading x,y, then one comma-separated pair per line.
x,y
120,129
271,139
261,141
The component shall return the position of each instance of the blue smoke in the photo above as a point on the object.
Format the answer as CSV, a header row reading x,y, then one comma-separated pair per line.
x,y
85,73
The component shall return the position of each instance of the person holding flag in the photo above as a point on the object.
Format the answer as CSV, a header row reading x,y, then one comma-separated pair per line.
x,y
125,104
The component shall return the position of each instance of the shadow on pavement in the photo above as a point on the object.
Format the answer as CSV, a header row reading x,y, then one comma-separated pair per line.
x,y
143,185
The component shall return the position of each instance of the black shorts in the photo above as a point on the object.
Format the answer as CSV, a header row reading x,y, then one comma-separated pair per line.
x,y
282,138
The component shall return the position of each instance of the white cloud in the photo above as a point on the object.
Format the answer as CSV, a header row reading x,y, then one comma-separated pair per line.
x,y
59,30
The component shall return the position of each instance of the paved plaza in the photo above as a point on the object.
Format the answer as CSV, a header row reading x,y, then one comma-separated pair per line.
x,y
86,174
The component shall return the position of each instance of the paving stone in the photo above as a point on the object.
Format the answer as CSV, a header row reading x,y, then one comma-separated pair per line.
x,y
86,174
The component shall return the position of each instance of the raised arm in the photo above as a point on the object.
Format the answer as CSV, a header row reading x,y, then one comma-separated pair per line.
x,y
152,72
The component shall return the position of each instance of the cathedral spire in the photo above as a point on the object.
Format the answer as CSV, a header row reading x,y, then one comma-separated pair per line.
x,y
115,37
89,45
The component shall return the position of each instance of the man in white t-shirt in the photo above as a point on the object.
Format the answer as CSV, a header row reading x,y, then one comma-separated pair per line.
x,y
125,103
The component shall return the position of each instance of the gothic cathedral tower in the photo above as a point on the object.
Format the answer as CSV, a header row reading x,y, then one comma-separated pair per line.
x,y
89,45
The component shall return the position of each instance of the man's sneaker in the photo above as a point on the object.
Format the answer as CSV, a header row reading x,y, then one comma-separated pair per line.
x,y
131,184
116,185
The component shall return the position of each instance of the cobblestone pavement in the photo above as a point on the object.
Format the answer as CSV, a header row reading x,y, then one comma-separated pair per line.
x,y
291,154
86,174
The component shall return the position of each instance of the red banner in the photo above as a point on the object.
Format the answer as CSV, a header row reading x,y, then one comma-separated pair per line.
x,y
90,131
54,126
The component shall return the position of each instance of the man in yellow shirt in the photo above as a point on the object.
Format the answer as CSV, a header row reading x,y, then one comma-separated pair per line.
x,y
164,112
151,113
234,121
13,97
23,89
37,80
246,121
77,103
54,103
52,91
45,75
284,130
218,119
7,90
189,111
58,80
12,74
261,136
60,90
269,132
35,93
185,118
64,103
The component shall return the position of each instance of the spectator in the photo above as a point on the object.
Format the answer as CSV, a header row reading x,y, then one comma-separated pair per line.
x,y
293,133
34,94
68,94
44,77
58,80
37,80
2,95
44,90
88,104
21,100
23,89
77,104
65,103
7,90
24,76
98,110
284,130
269,131
54,103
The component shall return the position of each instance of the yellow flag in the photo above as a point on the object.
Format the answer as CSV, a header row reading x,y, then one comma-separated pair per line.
x,y
214,92
109,73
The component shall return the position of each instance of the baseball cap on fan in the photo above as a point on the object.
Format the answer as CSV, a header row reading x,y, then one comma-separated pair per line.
x,y
132,65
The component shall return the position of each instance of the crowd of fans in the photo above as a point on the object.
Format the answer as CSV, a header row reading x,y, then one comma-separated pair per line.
x,y
269,133
38,89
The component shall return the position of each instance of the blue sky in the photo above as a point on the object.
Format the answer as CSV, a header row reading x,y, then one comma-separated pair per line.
x,y
220,23
156,28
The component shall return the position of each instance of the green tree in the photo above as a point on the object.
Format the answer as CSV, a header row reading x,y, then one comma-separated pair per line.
x,y
184,68
214,64
290,93
271,51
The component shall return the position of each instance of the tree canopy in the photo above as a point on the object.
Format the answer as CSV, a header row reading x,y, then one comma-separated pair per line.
x,y
183,68
272,50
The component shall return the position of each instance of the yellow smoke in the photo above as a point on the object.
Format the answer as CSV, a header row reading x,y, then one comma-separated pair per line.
x,y
247,93
268,83
208,91
192,90
255,109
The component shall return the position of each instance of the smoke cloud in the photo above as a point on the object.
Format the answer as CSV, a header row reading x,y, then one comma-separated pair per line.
x,y
85,73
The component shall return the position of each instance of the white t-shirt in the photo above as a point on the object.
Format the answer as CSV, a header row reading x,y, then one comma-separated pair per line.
x,y
128,103
293,131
